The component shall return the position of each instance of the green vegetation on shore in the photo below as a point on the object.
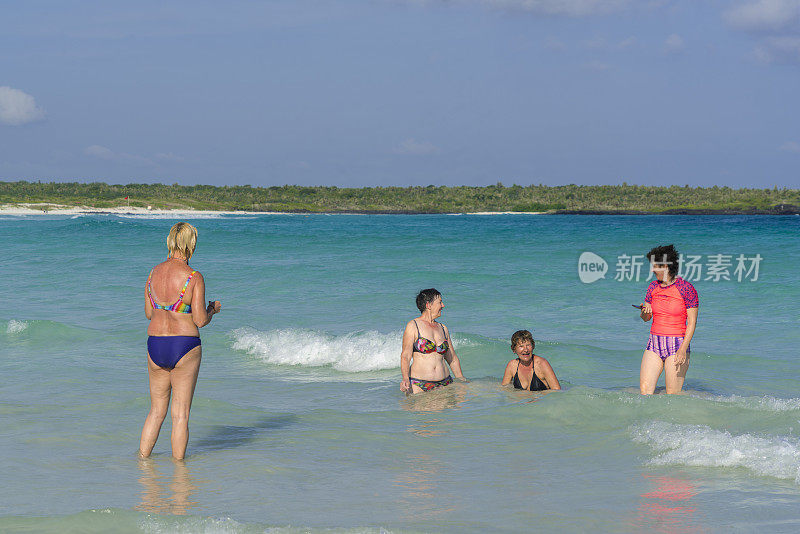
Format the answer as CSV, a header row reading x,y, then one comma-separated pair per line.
x,y
431,199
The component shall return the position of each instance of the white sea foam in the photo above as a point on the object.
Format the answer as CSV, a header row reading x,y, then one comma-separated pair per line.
x,y
700,445
157,525
14,326
352,353
505,213
170,216
772,404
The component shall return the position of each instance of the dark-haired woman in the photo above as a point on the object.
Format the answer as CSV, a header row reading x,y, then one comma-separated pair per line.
x,y
528,371
427,348
672,303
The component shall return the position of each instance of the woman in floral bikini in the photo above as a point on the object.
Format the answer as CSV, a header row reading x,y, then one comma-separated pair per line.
x,y
426,348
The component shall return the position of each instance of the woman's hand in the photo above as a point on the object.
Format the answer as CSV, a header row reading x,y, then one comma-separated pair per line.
x,y
680,357
647,311
213,307
405,386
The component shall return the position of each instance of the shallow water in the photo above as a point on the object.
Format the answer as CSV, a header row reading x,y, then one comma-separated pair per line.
x,y
298,423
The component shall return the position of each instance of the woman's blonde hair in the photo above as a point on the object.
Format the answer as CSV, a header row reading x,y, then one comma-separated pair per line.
x,y
182,238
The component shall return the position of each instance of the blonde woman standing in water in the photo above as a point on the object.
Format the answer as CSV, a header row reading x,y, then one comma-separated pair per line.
x,y
173,298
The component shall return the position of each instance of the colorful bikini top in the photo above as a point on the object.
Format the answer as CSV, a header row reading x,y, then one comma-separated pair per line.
x,y
426,346
178,306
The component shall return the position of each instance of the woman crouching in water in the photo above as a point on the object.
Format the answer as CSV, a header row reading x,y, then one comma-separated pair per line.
x,y
426,348
528,371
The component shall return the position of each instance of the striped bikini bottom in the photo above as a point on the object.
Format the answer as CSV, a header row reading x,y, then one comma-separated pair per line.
x,y
666,346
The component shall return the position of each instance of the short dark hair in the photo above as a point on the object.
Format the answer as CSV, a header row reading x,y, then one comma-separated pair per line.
x,y
425,296
519,336
666,255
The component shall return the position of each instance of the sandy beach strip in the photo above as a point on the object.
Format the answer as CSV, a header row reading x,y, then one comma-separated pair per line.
x,y
506,213
57,209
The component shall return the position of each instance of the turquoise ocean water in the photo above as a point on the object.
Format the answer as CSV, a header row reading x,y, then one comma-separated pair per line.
x,y
298,423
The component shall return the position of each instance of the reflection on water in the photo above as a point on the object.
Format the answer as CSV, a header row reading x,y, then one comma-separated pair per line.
x,y
535,396
439,399
421,497
164,495
427,429
668,507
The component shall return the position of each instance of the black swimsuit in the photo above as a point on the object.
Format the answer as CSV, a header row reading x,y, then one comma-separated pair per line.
x,y
536,384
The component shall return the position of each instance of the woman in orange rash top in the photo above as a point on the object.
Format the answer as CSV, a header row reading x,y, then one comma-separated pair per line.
x,y
672,303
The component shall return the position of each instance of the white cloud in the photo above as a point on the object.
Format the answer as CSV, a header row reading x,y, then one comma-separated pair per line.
x,y
569,8
555,44
299,165
169,157
17,107
778,50
776,22
674,43
601,43
765,15
413,147
597,66
105,153
99,152
790,146
597,42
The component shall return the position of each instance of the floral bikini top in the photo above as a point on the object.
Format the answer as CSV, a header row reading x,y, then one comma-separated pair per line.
x,y
426,346
177,306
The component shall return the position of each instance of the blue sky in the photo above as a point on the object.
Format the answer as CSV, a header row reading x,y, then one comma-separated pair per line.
x,y
402,92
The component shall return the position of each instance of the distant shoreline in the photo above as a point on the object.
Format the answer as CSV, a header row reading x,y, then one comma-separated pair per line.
x,y
99,197
776,210
50,209
26,209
